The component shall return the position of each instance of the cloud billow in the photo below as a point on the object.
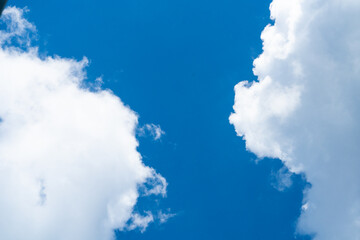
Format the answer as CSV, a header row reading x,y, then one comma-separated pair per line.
x,y
304,108
69,165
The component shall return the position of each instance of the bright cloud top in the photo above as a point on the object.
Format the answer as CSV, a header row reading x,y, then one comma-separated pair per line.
x,y
304,108
69,165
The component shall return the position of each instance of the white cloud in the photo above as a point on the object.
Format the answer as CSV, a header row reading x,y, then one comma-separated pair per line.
x,y
282,179
152,129
140,221
17,27
69,165
304,108
164,217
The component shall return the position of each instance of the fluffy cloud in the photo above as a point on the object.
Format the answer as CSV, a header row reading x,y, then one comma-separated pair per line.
x,y
304,108
69,165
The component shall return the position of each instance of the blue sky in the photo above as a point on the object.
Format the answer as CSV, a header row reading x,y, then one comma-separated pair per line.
x,y
70,164
175,63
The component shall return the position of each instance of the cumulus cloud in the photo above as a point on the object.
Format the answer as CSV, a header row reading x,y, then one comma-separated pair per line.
x,y
69,165
304,108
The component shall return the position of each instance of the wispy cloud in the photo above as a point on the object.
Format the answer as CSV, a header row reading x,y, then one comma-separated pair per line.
x,y
164,217
151,129
140,221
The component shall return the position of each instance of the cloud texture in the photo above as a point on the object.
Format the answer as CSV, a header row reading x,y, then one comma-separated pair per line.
x,y
69,165
304,108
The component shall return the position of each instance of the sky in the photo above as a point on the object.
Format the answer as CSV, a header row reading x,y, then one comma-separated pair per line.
x,y
130,101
